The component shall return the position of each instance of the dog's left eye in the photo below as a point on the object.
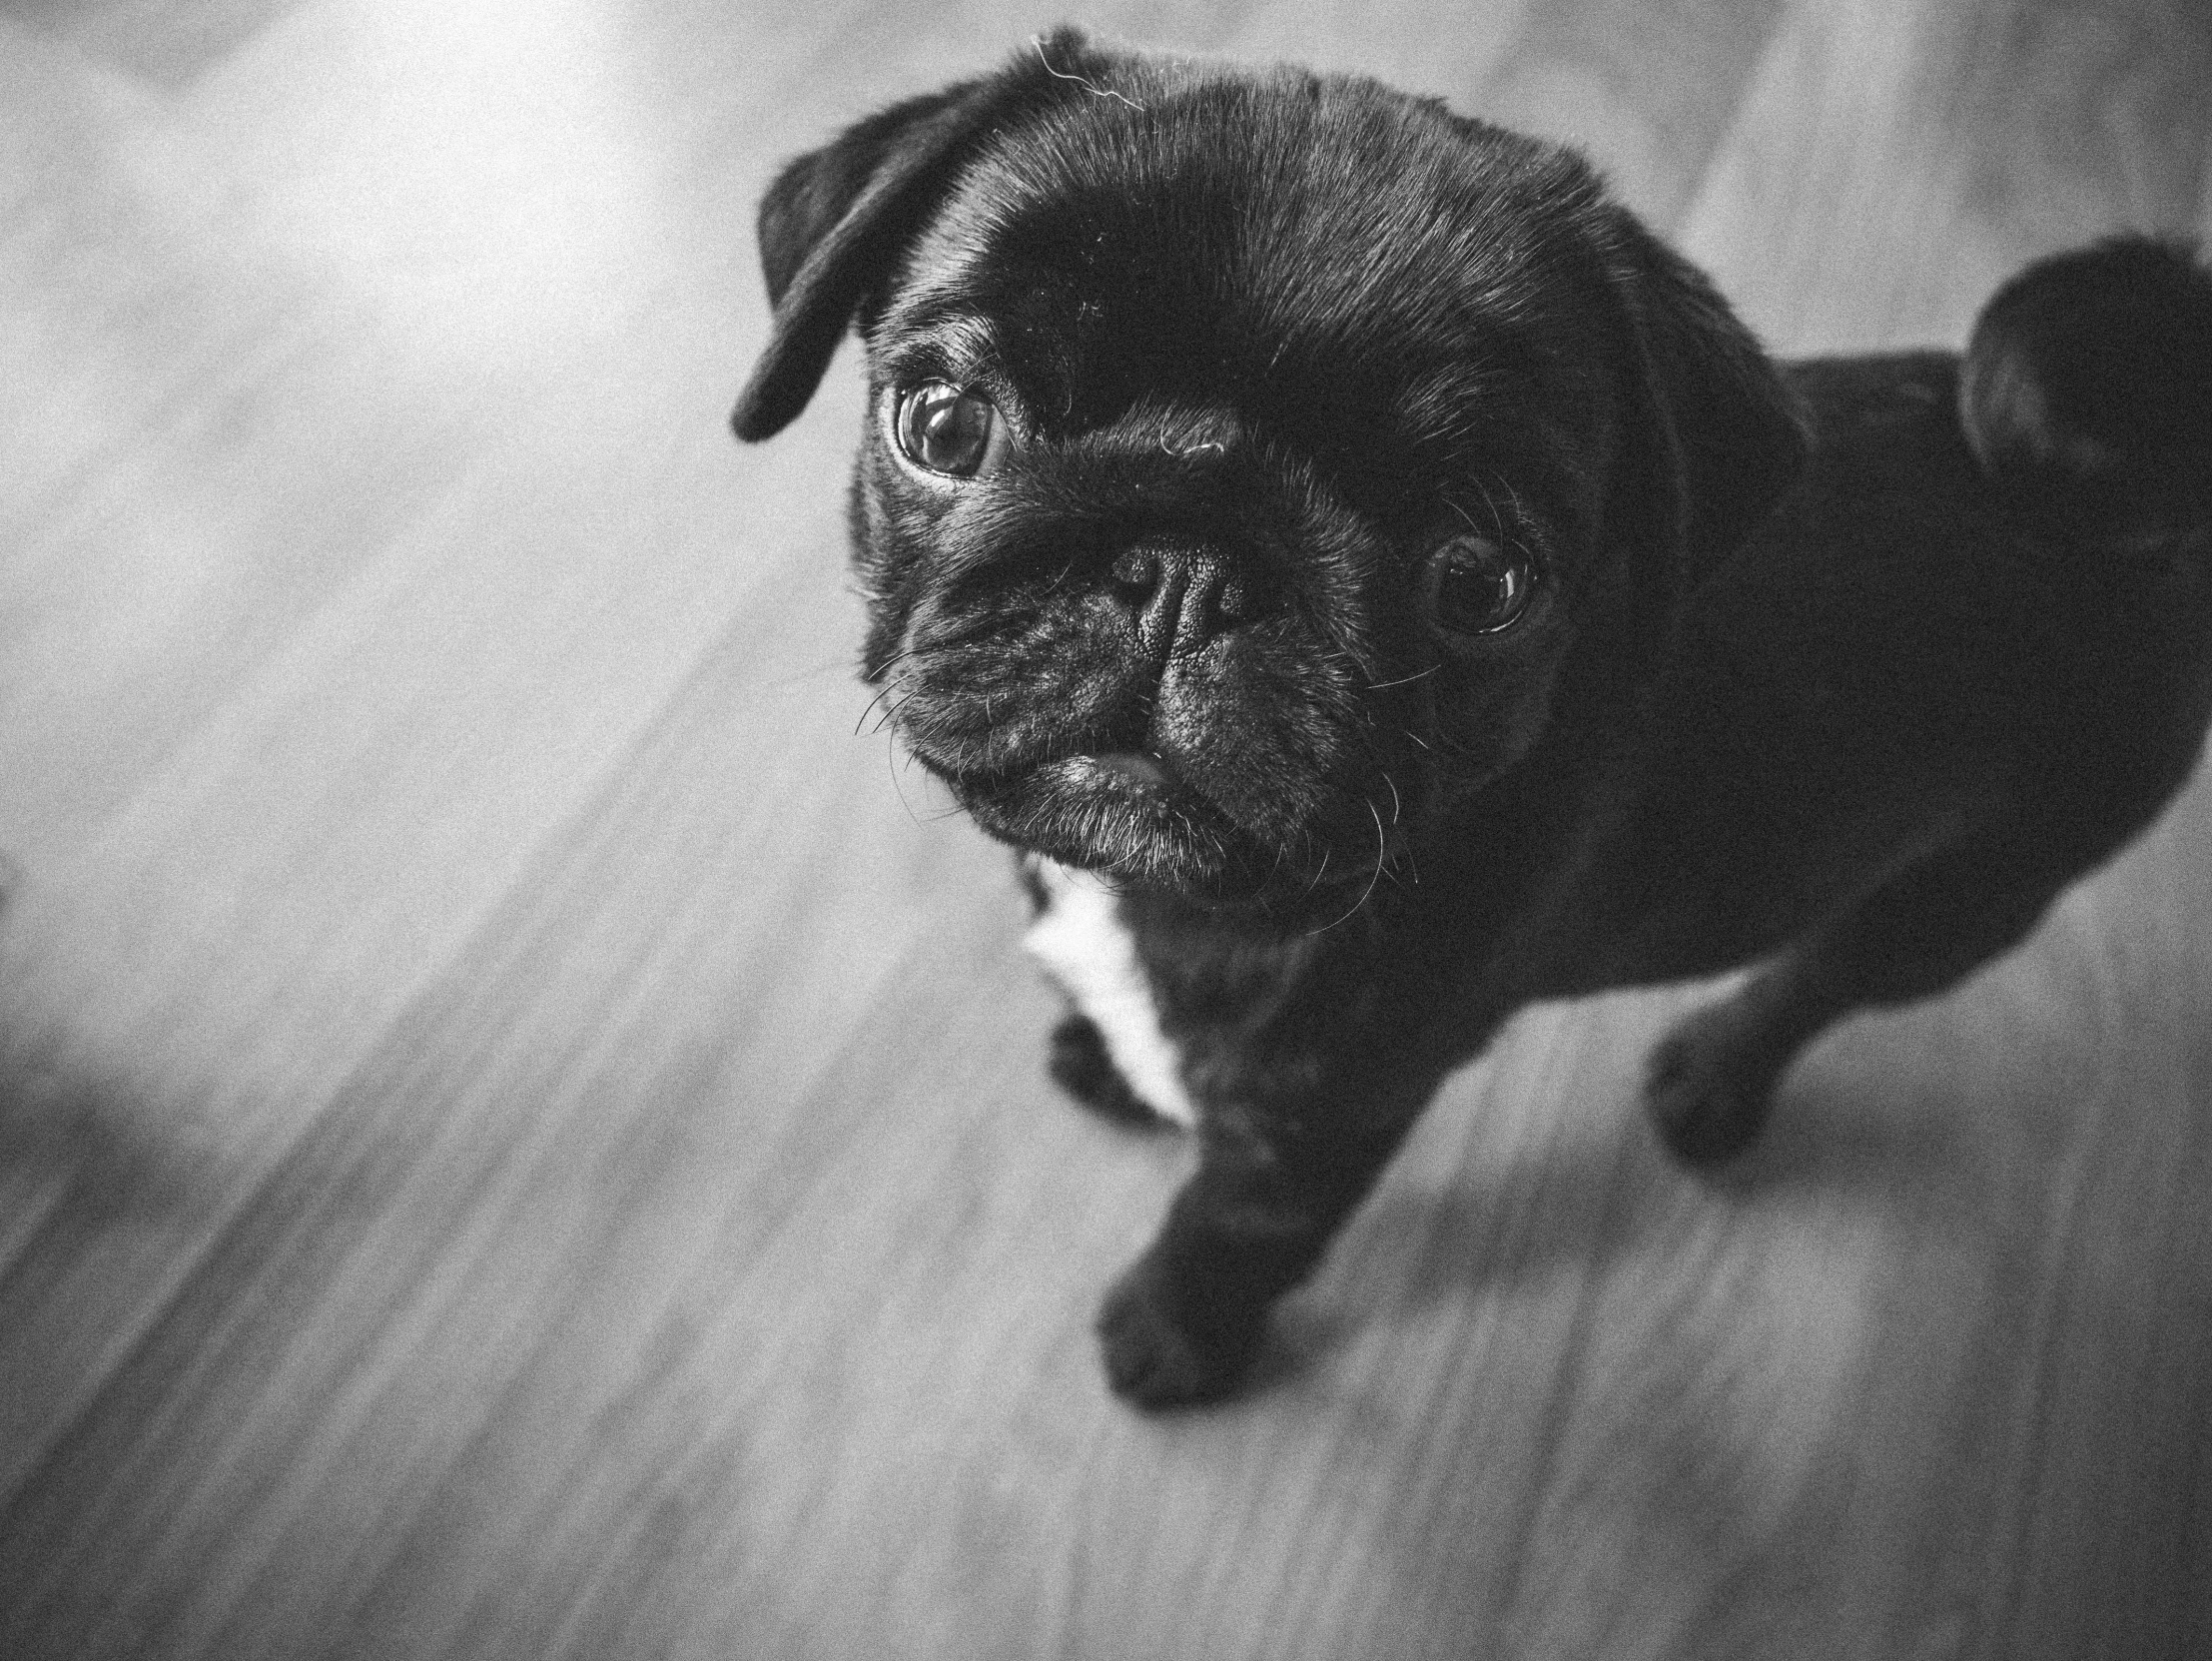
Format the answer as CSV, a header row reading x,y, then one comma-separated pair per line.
x,y
946,429
1477,585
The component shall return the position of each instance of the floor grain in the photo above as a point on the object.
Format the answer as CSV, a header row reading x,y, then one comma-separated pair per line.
x,y
521,1123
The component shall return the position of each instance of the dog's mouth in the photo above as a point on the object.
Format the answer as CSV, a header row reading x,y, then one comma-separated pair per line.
x,y
1144,772
1107,779
1127,814
1226,784
1135,817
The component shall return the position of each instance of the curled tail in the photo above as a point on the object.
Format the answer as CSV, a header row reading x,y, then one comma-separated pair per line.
x,y
2087,391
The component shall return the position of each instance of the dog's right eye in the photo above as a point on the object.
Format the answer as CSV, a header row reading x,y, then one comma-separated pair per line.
x,y
946,429
1477,585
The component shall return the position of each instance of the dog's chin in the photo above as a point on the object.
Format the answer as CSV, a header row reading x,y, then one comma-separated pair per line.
x,y
1126,817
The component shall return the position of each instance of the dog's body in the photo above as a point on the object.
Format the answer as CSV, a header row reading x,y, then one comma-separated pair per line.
x,y
1399,578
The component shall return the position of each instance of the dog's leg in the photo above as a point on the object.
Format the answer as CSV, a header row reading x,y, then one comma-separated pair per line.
x,y
1111,1052
1080,1063
1710,1080
1185,1320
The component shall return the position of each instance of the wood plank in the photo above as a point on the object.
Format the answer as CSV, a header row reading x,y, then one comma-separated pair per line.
x,y
522,1130
1890,166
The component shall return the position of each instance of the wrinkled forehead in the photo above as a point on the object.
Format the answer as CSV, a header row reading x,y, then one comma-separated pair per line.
x,y
1268,242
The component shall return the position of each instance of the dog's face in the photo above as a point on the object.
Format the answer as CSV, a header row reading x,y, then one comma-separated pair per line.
x,y
1252,460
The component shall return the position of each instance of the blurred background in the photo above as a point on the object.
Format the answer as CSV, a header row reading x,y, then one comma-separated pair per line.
x,y
522,1128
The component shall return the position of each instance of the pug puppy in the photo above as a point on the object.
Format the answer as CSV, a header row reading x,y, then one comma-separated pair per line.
x,y
1376,584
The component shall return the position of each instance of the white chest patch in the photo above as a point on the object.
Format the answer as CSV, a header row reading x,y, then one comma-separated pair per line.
x,y
1079,939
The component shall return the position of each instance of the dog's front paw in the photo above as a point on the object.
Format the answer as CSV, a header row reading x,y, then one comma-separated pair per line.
x,y
1709,1085
1158,1354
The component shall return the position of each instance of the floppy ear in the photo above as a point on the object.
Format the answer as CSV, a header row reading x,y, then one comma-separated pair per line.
x,y
1728,437
835,220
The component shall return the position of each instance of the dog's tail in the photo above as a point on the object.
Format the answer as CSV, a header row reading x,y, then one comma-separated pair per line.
x,y
2087,393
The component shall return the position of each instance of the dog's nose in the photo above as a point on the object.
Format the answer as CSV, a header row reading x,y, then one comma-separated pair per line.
x,y
1180,595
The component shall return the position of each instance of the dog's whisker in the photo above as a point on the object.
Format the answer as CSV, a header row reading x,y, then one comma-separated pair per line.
x,y
1497,521
1367,893
891,763
1403,680
1202,447
1322,871
885,695
899,698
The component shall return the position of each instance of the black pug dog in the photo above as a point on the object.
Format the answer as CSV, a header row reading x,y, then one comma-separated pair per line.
x,y
1377,584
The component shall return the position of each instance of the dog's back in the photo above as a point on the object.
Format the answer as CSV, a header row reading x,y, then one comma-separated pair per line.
x,y
1984,618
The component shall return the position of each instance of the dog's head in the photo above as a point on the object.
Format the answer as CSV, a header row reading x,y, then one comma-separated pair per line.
x,y
1254,461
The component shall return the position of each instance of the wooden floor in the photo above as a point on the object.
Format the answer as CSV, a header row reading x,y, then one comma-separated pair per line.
x,y
522,1133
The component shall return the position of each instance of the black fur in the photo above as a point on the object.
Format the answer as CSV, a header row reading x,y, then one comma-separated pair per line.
x,y
1817,673
2085,388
